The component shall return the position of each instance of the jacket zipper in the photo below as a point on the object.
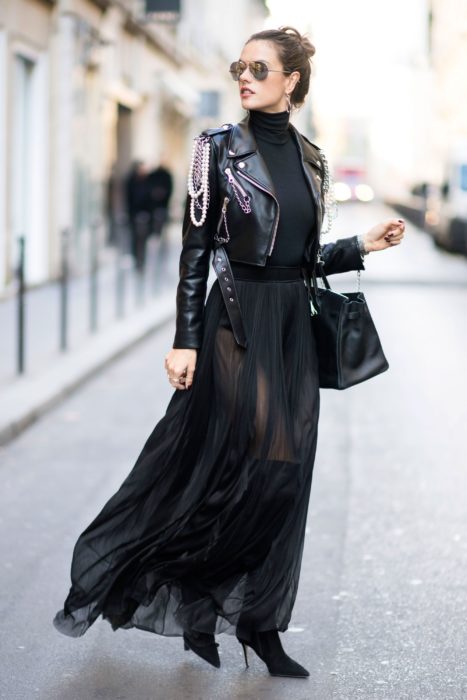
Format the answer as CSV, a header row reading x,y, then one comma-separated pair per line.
x,y
234,182
223,218
276,223
236,186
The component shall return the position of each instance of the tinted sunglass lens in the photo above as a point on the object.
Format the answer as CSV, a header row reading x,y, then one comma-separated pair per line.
x,y
236,69
259,70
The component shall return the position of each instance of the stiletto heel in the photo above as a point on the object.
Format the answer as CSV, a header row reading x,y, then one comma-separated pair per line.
x,y
204,645
267,645
245,649
185,646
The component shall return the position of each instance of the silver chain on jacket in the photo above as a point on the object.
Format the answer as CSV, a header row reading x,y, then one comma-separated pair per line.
x,y
330,203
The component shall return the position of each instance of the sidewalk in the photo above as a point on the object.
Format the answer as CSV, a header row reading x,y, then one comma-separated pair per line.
x,y
51,374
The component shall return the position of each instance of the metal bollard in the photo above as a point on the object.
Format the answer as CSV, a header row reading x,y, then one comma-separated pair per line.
x,y
20,364
93,278
120,257
64,278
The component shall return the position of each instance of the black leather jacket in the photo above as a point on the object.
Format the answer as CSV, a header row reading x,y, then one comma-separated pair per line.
x,y
238,174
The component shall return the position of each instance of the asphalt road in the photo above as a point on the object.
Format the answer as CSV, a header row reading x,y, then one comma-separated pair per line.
x,y
382,605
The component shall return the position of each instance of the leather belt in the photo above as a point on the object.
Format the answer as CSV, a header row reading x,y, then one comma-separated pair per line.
x,y
221,265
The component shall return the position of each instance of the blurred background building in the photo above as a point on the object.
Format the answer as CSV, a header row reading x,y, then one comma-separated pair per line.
x,y
388,104
87,87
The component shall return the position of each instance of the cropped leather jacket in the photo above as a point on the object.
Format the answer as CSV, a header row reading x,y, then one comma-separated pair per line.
x,y
242,216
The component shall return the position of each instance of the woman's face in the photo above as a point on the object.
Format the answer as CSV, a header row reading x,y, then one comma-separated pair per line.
x,y
267,95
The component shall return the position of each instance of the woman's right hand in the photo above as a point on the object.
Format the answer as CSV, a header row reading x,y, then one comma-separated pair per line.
x,y
180,365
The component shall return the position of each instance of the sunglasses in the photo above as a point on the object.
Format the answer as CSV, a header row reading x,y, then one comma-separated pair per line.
x,y
258,69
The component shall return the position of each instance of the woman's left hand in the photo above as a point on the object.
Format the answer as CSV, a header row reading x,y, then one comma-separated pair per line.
x,y
384,235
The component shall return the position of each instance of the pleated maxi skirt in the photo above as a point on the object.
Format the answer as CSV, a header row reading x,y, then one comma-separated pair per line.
x,y
206,532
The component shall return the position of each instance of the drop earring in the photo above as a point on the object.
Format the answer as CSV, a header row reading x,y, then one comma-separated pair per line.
x,y
289,104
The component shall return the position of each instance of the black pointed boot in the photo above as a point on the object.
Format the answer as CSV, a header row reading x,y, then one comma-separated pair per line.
x,y
267,645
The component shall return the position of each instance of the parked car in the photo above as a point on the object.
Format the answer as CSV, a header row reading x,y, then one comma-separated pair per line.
x,y
450,231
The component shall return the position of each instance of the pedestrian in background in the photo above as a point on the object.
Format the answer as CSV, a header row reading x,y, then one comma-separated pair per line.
x,y
206,533
138,203
160,184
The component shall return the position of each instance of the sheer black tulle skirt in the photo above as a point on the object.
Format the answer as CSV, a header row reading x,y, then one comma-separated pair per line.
x,y
206,532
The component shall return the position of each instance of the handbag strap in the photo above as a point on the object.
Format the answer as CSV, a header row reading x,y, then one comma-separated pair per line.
x,y
320,262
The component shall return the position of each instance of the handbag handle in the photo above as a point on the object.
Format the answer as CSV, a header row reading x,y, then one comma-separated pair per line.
x,y
320,262
312,289
331,211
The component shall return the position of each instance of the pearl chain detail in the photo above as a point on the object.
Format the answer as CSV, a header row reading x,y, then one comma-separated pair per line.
x,y
198,179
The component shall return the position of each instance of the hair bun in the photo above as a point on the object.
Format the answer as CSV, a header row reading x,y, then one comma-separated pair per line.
x,y
302,39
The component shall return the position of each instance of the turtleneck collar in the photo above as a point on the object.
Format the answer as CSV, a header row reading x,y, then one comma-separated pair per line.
x,y
272,127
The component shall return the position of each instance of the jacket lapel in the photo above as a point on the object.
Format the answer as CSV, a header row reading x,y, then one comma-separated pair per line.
x,y
312,164
247,159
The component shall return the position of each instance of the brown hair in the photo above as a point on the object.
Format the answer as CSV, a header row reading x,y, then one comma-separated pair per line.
x,y
295,51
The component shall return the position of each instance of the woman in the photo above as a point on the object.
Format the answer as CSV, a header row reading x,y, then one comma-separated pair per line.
x,y
205,535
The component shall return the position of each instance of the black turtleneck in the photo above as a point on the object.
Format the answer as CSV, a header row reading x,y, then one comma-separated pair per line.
x,y
279,150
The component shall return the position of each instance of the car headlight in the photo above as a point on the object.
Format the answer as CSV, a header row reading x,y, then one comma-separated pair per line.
x,y
342,192
364,193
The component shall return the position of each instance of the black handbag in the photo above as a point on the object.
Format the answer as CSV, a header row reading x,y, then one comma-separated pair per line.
x,y
349,348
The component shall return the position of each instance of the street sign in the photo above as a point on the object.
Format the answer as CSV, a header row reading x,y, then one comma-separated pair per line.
x,y
164,10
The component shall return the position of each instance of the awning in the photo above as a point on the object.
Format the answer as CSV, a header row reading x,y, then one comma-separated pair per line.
x,y
181,96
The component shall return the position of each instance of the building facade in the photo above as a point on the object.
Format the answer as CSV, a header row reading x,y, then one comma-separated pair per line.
x,y
87,87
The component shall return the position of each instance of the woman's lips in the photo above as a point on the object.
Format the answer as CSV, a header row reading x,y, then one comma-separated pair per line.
x,y
246,92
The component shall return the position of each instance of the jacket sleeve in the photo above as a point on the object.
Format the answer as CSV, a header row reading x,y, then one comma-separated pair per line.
x,y
197,243
342,255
